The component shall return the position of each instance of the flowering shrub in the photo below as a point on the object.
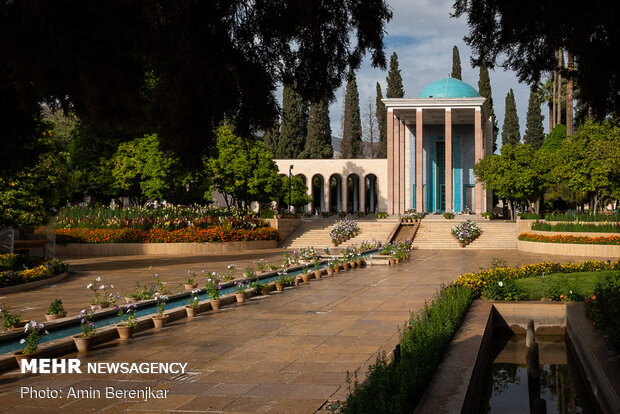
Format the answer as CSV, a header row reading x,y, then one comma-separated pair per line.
x,y
503,290
466,231
613,240
604,309
213,287
86,322
186,235
17,276
478,281
35,331
102,294
128,315
343,230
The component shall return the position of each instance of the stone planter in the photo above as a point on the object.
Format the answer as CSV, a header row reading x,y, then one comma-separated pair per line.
x,y
56,316
330,271
130,300
317,274
191,286
264,290
124,332
160,321
19,357
279,286
83,343
305,277
215,304
191,312
240,297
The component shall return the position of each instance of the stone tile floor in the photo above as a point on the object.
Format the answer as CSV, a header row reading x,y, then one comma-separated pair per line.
x,y
288,352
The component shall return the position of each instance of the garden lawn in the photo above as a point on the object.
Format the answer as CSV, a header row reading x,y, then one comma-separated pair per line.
x,y
581,283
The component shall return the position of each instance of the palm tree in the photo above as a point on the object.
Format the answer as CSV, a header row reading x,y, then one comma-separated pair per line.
x,y
544,91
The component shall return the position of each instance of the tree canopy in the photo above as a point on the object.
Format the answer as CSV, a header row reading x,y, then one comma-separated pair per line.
x,y
534,130
456,64
179,67
484,89
381,114
394,79
351,145
526,35
510,130
319,138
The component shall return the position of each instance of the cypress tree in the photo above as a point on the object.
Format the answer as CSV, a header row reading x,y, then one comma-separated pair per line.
x,y
394,80
294,122
272,136
484,89
456,64
510,129
381,115
534,131
319,139
351,145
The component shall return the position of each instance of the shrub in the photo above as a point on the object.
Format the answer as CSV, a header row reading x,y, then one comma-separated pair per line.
x,y
381,214
599,217
466,231
448,216
604,309
488,214
612,240
529,216
561,217
55,308
503,290
578,227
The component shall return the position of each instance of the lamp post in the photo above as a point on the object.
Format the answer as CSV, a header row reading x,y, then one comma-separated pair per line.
x,y
290,175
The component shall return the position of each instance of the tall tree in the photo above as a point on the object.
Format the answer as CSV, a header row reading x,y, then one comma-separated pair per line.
x,y
534,130
558,98
351,145
510,129
293,129
545,94
272,136
456,64
381,115
370,131
394,80
319,138
526,34
484,89
570,63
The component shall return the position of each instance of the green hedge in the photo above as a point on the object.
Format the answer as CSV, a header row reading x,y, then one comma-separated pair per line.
x,y
580,227
604,309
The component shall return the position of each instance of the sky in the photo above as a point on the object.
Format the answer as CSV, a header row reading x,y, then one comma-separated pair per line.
x,y
423,34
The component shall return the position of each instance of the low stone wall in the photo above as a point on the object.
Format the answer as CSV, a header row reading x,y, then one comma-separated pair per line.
x,y
284,226
173,249
570,249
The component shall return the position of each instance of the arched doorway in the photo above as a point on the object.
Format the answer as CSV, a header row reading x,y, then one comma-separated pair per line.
x,y
353,193
335,196
317,194
370,187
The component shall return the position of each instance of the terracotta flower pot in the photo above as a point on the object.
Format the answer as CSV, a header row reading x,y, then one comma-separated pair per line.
x,y
317,274
131,300
392,261
359,262
215,304
264,290
191,312
191,286
305,277
124,332
83,343
279,286
19,357
337,269
56,316
397,260
160,321
330,271
346,266
240,297
297,280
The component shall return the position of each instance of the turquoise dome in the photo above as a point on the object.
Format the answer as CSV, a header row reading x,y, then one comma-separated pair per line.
x,y
448,88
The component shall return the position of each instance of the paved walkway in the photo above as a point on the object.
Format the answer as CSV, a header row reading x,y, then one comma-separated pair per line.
x,y
286,353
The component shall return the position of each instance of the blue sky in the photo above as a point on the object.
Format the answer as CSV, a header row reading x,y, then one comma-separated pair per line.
x,y
422,33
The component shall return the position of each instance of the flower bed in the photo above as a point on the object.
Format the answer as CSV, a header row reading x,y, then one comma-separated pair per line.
x,y
466,232
186,235
610,240
17,275
343,230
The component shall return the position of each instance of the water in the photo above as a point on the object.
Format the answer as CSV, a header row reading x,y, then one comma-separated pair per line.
x,y
506,387
70,330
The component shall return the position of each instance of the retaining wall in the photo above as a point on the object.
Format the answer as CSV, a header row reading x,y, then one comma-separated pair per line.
x,y
570,249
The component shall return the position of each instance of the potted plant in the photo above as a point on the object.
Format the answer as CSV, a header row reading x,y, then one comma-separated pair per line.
x,y
191,281
336,265
330,268
84,341
359,261
192,304
9,320
232,268
55,311
261,265
305,276
128,321
317,269
102,295
35,331
265,288
240,292
281,281
159,320
214,289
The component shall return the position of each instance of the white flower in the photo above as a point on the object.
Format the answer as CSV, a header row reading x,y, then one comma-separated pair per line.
x,y
89,286
500,283
22,341
111,286
98,279
101,287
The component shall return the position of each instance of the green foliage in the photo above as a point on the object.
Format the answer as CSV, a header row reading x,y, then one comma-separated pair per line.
x,y
529,216
55,307
398,387
319,139
563,286
534,131
351,145
448,215
394,79
272,136
294,124
484,89
243,171
381,114
456,64
505,289
141,170
598,217
604,308
9,319
299,192
381,214
579,227
560,217
510,129
555,138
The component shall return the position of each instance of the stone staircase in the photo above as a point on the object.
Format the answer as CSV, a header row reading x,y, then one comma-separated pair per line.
x,y
315,232
435,233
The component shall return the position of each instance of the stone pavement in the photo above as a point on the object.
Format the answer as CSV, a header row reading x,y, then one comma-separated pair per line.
x,y
285,353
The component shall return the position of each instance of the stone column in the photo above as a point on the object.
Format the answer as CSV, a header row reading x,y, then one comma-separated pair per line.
x,y
419,154
344,193
311,203
448,154
326,194
373,201
362,190
390,161
478,154
401,166
396,167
